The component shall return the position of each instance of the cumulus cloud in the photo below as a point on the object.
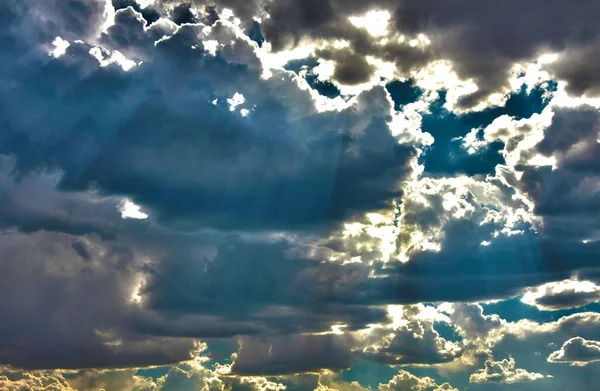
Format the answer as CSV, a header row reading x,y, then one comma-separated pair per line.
x,y
577,351
406,381
164,180
475,39
14,380
503,372
410,339
470,320
562,295
283,182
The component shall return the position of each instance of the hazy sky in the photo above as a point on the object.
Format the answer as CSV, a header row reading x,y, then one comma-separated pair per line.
x,y
269,195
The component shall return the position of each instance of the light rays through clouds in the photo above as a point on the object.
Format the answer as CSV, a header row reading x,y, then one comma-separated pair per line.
x,y
299,195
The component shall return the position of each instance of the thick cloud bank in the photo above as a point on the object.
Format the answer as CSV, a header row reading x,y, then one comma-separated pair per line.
x,y
299,195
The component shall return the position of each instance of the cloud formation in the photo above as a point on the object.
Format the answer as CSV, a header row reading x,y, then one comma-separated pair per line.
x,y
577,351
503,372
562,295
331,194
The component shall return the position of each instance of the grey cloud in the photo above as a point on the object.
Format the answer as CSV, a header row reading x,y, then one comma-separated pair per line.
x,y
351,68
570,126
577,351
415,342
483,41
81,304
576,66
566,194
293,354
471,322
524,339
562,295
287,181
152,134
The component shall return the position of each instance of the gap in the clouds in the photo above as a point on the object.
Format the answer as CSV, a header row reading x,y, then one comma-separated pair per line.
x,y
219,352
154,372
183,14
513,310
255,33
447,332
368,373
403,92
323,87
149,14
447,156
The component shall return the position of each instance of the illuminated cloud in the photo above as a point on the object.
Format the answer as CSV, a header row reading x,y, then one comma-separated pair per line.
x,y
336,195
503,372
577,351
406,381
562,295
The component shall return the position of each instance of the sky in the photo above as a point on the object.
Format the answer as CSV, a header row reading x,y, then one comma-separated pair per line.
x,y
299,195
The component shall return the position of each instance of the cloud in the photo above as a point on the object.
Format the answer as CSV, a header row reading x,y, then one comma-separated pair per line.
x,y
162,182
476,39
117,380
293,354
410,339
503,372
88,329
262,182
406,381
470,320
14,380
562,295
577,351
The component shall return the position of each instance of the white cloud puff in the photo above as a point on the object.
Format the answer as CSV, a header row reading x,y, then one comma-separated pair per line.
x,y
577,351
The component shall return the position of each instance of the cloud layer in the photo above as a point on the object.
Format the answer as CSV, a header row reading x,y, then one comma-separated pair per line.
x,y
277,195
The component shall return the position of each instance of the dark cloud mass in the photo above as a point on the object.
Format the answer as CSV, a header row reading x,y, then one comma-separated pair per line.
x,y
270,195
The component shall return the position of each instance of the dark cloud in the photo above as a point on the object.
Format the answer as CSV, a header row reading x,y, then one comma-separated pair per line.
x,y
570,127
293,354
351,68
149,14
184,13
262,181
82,304
245,208
482,41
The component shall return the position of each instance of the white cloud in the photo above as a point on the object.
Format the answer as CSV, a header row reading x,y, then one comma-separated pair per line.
x,y
375,22
405,381
60,47
562,295
410,338
15,380
236,100
129,210
106,58
577,351
503,372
